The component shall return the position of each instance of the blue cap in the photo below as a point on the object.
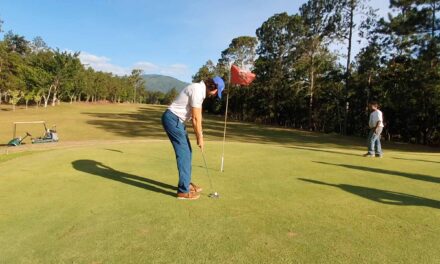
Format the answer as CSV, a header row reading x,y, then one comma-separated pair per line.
x,y
220,85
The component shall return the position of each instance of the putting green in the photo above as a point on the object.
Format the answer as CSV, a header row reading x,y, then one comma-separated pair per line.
x,y
115,204
286,197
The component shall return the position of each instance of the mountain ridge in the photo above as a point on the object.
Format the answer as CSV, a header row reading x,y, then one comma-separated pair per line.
x,y
162,83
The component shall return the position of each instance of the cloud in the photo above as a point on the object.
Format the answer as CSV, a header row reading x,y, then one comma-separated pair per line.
x,y
175,70
102,63
147,67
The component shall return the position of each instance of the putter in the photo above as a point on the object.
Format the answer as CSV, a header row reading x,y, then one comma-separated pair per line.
x,y
214,194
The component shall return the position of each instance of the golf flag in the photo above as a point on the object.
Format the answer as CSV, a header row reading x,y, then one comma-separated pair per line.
x,y
241,77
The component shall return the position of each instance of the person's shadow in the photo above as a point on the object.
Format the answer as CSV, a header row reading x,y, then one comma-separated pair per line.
x,y
97,168
382,196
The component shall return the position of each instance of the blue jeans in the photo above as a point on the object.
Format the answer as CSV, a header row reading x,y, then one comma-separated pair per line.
x,y
373,142
178,136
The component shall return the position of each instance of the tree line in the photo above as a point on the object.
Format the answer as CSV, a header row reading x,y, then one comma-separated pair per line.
x,y
308,78
33,73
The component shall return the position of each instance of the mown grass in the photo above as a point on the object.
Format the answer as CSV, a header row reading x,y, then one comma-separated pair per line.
x,y
286,196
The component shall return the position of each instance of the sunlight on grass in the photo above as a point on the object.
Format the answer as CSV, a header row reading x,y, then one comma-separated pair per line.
x,y
286,196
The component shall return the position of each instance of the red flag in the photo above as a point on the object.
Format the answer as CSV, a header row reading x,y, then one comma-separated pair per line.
x,y
241,77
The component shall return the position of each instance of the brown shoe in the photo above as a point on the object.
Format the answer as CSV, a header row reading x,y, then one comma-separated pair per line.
x,y
195,188
188,196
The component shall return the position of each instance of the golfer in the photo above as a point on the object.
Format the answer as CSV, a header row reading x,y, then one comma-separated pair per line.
x,y
376,127
188,106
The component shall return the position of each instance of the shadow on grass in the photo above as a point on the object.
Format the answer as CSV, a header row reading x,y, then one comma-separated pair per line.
x,y
98,169
114,150
382,196
414,176
146,123
429,161
325,151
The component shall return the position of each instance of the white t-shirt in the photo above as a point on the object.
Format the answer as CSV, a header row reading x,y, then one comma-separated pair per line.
x,y
191,96
375,117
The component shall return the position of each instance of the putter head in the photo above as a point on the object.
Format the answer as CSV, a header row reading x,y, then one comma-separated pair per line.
x,y
214,195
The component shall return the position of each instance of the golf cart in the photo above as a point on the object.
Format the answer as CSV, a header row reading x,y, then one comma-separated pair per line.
x,y
50,135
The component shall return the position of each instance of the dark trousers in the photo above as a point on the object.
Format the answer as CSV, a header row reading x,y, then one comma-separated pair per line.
x,y
178,136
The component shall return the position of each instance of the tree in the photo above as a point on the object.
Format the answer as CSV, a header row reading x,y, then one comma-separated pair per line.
x,y
137,82
278,37
169,97
38,44
320,21
206,71
154,97
12,67
16,43
63,68
410,76
74,82
27,97
348,10
209,70
242,52
39,74
3,54
37,98
15,97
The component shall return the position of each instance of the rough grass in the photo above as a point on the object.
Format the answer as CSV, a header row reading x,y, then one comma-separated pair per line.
x,y
286,196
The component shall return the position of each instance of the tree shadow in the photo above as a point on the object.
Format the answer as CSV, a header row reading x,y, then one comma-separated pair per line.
x,y
429,161
145,122
382,196
97,168
324,151
414,176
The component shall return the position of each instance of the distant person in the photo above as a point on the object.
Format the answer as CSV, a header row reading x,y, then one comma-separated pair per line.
x,y
188,106
376,127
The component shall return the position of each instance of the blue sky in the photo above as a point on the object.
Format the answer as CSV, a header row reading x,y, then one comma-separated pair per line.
x,y
171,37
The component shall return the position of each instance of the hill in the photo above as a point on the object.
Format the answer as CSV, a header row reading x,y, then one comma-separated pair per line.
x,y
162,83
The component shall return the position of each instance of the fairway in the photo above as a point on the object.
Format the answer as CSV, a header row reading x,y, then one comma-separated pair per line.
x,y
106,194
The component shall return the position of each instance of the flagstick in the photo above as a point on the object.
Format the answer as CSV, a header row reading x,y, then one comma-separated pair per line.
x,y
226,120
224,130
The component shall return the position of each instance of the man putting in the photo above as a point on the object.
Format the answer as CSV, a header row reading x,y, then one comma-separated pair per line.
x,y
376,127
188,106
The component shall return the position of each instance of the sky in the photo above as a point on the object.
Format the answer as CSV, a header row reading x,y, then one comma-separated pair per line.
x,y
170,37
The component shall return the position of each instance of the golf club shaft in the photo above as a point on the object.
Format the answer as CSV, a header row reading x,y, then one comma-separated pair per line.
x,y
207,171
